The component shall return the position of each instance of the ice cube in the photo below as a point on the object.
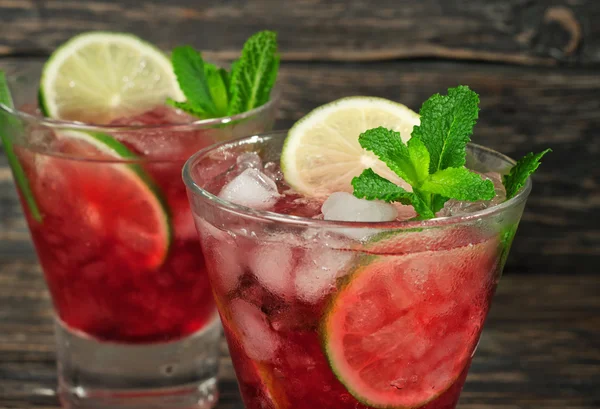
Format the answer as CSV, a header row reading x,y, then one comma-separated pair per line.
x,y
343,206
251,188
273,171
249,160
272,264
259,341
319,269
221,249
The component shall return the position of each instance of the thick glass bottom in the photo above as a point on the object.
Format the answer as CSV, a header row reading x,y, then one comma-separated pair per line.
x,y
179,374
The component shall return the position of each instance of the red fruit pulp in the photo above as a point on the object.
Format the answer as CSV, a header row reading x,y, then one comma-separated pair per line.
x,y
441,310
106,278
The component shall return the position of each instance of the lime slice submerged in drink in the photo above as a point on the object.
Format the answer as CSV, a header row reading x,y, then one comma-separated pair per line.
x,y
116,203
402,329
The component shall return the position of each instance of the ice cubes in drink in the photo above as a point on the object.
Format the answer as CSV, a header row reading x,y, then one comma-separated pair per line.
x,y
256,336
248,160
272,264
343,206
251,188
318,271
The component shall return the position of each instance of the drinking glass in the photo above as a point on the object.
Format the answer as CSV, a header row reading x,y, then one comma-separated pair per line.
x,y
136,323
331,314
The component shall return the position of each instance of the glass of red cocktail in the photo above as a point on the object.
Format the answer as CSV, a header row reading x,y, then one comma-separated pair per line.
x,y
322,313
108,213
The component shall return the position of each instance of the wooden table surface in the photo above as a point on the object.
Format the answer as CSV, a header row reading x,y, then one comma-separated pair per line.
x,y
536,66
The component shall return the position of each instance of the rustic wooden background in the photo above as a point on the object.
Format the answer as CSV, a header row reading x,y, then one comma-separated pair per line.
x,y
536,65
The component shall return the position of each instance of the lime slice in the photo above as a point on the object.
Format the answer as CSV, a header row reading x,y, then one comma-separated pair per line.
x,y
97,77
321,153
128,209
402,329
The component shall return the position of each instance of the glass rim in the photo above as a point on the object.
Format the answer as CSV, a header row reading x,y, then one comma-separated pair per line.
x,y
180,126
268,216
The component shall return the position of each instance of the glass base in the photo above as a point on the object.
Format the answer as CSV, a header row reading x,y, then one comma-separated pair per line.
x,y
179,374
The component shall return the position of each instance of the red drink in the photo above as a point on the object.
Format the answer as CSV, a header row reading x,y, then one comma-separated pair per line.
x,y
320,314
97,163
112,272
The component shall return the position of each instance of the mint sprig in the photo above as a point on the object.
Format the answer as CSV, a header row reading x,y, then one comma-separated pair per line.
x,y
213,92
432,161
515,180
447,123
191,72
10,124
254,74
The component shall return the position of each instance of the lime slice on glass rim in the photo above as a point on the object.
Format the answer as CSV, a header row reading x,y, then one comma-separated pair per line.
x,y
97,77
122,197
321,153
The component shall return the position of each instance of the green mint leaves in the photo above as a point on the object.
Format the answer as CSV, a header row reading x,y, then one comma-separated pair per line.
x,y
515,180
191,72
212,92
254,74
447,123
11,124
432,161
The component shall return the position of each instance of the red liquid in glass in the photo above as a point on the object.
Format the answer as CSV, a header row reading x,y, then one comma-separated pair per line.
x,y
444,317
106,280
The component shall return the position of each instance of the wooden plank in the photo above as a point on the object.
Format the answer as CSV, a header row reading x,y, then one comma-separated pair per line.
x,y
539,348
523,109
512,31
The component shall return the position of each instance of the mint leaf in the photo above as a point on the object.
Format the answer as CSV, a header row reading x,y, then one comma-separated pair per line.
x,y
515,180
390,149
447,123
410,161
419,158
10,124
217,80
432,161
254,74
371,186
459,184
189,68
187,107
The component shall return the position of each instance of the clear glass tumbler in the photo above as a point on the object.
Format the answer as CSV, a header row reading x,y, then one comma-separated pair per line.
x,y
327,314
136,323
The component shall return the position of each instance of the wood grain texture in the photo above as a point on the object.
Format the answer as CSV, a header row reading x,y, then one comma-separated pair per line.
x,y
539,348
529,32
523,109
